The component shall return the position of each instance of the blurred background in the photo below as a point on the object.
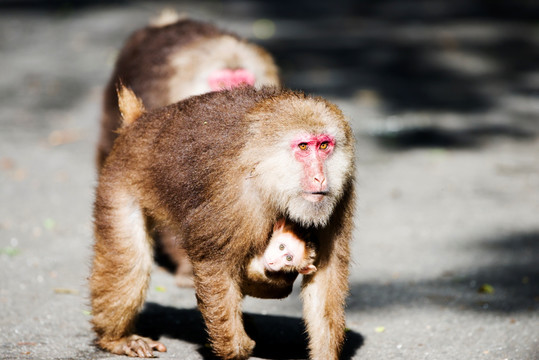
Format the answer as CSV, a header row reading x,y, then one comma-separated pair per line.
x,y
418,62
443,100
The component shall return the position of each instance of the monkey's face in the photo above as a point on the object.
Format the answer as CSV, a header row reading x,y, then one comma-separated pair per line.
x,y
301,154
311,151
219,63
284,251
316,163
222,79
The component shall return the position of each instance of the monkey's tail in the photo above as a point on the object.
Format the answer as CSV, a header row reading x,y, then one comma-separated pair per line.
x,y
131,107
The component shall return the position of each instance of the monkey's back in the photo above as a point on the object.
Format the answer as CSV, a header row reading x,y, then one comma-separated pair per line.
x,y
222,156
143,63
185,157
165,63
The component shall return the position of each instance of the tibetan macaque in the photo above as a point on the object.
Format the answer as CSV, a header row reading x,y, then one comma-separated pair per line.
x,y
285,252
169,60
220,170
176,57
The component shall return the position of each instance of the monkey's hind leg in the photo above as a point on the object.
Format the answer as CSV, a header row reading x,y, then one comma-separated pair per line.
x,y
172,246
120,273
219,301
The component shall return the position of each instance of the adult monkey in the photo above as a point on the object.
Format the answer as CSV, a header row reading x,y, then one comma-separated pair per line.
x,y
176,57
171,59
220,169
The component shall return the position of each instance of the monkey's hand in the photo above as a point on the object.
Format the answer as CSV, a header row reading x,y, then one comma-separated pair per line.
x,y
134,346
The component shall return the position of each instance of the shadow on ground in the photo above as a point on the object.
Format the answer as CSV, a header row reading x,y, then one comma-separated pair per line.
x,y
276,337
412,55
455,139
509,284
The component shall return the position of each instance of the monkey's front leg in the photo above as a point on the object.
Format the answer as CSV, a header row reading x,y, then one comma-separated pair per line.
x,y
120,273
324,296
219,300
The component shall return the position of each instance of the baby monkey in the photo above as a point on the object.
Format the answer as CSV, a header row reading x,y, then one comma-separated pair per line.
x,y
288,250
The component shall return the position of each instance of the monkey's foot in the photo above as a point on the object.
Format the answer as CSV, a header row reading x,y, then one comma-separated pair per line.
x,y
236,350
134,346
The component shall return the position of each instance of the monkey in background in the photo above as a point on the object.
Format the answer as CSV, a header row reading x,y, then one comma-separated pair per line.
x,y
176,57
169,60
220,170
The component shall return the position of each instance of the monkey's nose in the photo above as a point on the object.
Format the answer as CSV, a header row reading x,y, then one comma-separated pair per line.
x,y
320,180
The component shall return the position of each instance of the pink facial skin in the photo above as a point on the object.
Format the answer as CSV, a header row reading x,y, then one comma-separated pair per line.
x,y
311,151
285,248
227,79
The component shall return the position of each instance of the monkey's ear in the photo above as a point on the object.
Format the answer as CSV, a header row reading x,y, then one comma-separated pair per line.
x,y
279,225
309,269
130,106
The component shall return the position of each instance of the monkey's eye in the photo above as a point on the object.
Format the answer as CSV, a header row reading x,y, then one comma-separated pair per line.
x,y
303,146
281,247
289,258
324,145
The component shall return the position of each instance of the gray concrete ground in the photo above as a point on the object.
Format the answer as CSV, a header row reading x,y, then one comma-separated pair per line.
x,y
443,100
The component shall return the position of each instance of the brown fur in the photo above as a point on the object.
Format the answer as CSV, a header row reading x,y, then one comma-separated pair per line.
x,y
201,168
146,65
163,63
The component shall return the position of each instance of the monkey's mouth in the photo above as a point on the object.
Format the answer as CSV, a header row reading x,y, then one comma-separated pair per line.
x,y
315,196
270,266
